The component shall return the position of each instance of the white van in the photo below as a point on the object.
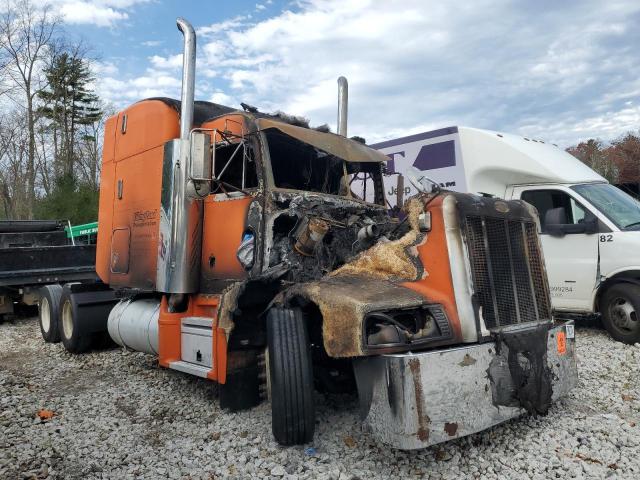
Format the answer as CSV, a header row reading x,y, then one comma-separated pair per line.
x,y
590,230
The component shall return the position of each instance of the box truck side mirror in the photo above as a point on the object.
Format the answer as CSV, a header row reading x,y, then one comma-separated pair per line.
x,y
555,223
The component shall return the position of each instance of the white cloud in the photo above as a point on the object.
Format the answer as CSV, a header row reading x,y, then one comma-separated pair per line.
x,y
101,69
225,25
260,7
491,64
561,74
152,43
223,99
84,12
170,62
102,13
124,91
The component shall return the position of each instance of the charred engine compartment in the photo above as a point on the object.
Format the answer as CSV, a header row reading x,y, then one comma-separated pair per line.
x,y
312,235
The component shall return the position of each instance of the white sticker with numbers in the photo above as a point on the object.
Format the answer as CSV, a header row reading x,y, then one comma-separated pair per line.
x,y
570,331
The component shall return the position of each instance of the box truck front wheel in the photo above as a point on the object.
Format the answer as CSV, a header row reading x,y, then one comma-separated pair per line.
x,y
70,334
620,308
290,377
49,312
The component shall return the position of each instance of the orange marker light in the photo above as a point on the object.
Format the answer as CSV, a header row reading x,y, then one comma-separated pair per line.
x,y
562,343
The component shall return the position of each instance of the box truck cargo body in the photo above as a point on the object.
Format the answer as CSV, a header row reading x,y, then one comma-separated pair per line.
x,y
590,230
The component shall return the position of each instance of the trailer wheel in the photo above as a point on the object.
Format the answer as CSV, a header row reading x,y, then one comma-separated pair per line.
x,y
49,312
290,377
620,308
69,332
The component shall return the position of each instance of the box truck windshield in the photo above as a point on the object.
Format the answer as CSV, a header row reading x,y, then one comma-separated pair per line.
x,y
622,209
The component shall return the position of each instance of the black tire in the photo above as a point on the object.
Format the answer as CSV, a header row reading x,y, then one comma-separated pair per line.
x,y
290,377
68,324
620,309
49,312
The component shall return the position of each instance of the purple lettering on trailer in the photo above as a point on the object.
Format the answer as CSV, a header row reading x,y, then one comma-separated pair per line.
x,y
415,138
436,155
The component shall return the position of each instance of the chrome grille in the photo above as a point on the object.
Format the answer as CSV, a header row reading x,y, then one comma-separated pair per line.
x,y
507,271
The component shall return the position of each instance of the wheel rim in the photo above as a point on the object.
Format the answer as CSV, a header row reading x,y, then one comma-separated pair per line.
x,y
623,315
67,320
45,315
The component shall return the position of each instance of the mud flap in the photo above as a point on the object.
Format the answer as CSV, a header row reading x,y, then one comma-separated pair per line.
x,y
519,373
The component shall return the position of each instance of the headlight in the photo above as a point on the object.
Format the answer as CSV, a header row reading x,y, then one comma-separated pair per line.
x,y
406,328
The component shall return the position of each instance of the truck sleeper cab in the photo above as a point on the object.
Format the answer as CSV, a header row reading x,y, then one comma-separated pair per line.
x,y
243,253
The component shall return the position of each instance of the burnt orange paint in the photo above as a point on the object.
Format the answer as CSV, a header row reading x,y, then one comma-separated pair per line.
x,y
234,124
169,340
149,124
169,336
105,212
223,226
433,253
219,371
139,211
133,158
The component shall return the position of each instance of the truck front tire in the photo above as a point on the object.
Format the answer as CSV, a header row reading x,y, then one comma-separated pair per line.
x,y
290,377
620,309
70,335
49,312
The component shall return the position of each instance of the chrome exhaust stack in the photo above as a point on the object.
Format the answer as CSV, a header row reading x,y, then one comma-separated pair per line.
x,y
188,78
178,267
343,105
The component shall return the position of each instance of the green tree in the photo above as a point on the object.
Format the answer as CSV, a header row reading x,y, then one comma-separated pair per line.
x,y
69,200
68,105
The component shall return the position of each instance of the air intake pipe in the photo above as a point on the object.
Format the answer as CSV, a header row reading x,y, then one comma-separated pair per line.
x,y
343,105
178,268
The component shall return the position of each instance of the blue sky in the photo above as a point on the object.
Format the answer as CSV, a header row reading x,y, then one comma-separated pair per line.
x,y
558,71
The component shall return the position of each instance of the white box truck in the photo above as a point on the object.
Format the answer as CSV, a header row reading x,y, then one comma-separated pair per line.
x,y
590,230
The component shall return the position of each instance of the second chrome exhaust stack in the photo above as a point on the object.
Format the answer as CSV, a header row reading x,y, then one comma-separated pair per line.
x,y
343,105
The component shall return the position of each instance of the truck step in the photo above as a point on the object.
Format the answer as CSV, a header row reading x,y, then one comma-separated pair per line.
x,y
190,368
206,322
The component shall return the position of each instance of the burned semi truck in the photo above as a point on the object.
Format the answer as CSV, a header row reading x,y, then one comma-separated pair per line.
x,y
240,254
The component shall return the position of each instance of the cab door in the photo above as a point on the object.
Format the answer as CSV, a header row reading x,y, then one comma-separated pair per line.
x,y
232,225
571,254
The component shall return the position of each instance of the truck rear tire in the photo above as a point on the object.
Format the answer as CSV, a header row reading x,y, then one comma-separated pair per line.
x,y
290,377
70,335
49,312
620,309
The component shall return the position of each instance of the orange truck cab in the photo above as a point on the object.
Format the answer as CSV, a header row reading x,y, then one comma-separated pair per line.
x,y
254,251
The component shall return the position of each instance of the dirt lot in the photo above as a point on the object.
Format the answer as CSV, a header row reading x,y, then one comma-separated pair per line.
x,y
116,414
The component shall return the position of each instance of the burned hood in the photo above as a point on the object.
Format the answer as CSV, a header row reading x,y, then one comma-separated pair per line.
x,y
341,147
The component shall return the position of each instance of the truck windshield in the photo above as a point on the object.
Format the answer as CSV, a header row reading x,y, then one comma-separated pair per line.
x,y
297,165
617,206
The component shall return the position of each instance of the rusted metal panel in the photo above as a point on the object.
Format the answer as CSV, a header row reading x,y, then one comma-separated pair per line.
x,y
348,150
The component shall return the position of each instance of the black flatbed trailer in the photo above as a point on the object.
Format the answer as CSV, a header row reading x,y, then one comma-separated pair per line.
x,y
35,253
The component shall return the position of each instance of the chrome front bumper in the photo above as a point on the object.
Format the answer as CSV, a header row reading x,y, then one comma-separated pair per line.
x,y
415,400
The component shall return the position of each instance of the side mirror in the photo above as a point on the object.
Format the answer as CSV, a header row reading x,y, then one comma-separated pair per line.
x,y
555,221
200,163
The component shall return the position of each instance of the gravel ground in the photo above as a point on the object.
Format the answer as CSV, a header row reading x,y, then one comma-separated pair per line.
x,y
116,414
